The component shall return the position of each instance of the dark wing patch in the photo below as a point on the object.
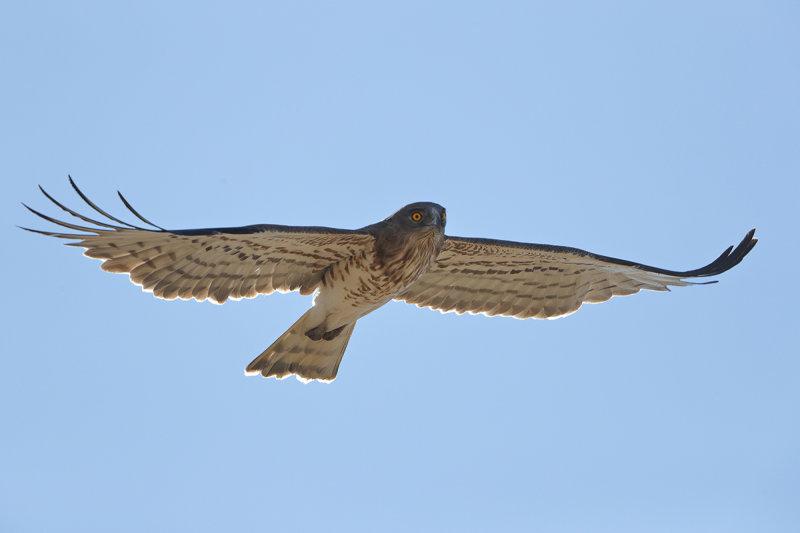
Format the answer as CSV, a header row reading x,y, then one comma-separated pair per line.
x,y
213,263
541,281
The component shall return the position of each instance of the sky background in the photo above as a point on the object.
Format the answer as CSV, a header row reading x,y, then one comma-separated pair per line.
x,y
655,133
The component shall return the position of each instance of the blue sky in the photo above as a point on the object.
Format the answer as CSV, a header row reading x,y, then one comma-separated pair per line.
x,y
659,134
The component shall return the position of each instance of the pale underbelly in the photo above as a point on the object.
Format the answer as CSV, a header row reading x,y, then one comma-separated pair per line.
x,y
356,296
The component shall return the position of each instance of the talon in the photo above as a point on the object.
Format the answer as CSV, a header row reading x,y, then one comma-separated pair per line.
x,y
332,334
316,334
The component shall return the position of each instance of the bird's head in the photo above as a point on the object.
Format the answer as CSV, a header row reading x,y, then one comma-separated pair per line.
x,y
415,226
419,216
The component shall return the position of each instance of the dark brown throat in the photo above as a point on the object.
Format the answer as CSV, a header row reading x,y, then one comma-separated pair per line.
x,y
399,248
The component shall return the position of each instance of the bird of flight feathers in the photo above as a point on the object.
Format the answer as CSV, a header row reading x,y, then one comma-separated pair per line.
x,y
405,257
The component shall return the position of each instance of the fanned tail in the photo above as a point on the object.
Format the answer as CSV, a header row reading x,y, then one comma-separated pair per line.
x,y
295,353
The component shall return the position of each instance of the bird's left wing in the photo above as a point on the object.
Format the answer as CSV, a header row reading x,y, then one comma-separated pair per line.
x,y
214,263
541,281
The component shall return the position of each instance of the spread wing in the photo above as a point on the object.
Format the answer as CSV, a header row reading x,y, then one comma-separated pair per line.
x,y
541,281
214,263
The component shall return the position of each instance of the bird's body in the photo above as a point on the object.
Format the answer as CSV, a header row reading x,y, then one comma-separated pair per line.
x,y
405,257
349,289
365,281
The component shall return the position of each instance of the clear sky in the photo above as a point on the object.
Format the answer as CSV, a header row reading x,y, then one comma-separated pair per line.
x,y
659,134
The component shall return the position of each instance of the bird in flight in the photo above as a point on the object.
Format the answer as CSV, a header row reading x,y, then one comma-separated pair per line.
x,y
405,257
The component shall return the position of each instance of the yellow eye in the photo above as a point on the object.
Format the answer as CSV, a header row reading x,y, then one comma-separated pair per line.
x,y
416,216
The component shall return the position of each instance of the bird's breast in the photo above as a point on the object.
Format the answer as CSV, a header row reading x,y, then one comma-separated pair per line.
x,y
373,277
402,264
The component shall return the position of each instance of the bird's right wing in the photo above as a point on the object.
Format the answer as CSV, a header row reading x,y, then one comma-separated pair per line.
x,y
541,281
214,263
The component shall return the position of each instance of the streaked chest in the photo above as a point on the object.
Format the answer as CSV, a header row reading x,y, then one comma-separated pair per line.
x,y
375,276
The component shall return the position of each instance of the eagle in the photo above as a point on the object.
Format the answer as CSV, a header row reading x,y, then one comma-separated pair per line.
x,y
405,257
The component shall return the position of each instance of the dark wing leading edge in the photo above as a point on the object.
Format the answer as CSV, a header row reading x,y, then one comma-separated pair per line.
x,y
540,281
214,263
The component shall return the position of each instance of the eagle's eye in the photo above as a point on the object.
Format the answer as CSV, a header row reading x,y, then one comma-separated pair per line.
x,y
416,216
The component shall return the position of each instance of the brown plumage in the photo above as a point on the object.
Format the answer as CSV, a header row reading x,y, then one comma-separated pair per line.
x,y
353,272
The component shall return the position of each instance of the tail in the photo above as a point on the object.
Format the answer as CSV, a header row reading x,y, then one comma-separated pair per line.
x,y
296,353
